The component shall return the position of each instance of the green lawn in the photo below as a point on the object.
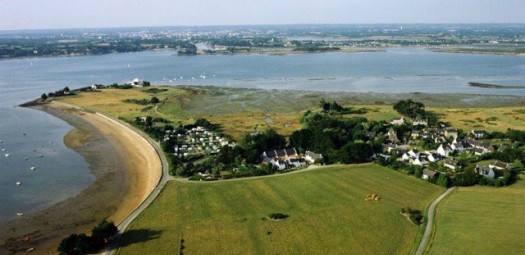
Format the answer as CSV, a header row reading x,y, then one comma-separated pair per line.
x,y
326,208
481,220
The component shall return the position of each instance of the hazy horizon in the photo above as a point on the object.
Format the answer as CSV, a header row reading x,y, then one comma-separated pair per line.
x,y
259,25
77,14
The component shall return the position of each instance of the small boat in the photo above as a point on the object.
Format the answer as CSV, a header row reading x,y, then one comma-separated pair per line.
x,y
1,141
23,133
26,158
19,214
3,150
7,155
32,168
40,156
18,183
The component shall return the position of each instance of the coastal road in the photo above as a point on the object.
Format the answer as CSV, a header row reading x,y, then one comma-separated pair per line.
x,y
430,216
156,191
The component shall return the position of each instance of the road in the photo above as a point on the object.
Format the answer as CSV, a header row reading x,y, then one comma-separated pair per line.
x,y
430,216
165,177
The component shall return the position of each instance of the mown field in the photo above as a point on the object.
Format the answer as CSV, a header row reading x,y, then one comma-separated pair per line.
x,y
481,220
326,208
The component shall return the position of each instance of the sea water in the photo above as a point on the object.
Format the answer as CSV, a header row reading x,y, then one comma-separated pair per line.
x,y
61,173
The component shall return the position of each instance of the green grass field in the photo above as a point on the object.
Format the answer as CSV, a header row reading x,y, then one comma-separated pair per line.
x,y
326,208
481,220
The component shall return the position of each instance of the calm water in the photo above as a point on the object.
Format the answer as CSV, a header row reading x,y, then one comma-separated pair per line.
x,y
62,173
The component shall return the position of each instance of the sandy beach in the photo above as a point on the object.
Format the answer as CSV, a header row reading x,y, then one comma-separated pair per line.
x,y
126,167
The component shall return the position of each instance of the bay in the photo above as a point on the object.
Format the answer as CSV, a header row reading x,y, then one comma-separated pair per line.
x,y
62,173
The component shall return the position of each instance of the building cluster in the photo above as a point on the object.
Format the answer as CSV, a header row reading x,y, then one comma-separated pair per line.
x,y
197,141
474,144
283,159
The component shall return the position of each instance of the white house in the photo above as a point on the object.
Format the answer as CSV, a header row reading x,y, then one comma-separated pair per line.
x,y
478,133
451,164
297,162
444,150
428,174
420,122
413,153
312,157
398,122
419,161
485,171
499,165
450,132
279,164
433,157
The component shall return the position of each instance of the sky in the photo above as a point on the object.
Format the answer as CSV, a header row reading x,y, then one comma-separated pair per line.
x,y
53,14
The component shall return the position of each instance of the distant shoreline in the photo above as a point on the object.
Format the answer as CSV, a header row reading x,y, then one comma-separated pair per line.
x,y
494,86
291,51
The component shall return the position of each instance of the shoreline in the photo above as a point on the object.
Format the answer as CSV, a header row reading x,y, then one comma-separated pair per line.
x,y
125,169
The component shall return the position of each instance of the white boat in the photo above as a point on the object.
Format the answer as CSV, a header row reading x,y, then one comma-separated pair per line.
x,y
32,168
18,183
7,155
3,150
26,158
19,214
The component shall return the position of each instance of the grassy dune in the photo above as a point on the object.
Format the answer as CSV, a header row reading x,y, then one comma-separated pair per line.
x,y
481,220
326,208
490,119
246,110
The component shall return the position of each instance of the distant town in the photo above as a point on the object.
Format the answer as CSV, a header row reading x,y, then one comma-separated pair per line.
x,y
277,39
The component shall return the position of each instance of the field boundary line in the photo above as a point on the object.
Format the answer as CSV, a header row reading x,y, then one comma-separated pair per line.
x,y
430,216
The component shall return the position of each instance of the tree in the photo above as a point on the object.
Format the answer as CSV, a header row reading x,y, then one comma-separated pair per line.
x,y
356,153
103,232
442,180
44,96
467,178
154,100
75,244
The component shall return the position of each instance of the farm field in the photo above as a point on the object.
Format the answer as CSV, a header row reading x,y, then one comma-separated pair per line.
x,y
481,220
326,209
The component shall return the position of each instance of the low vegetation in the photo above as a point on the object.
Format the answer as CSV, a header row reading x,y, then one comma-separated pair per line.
x,y
489,220
326,208
415,216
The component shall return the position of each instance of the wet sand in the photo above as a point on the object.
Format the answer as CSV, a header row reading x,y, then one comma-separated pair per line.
x,y
126,167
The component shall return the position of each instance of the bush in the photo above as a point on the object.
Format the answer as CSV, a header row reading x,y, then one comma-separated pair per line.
x,y
277,216
77,244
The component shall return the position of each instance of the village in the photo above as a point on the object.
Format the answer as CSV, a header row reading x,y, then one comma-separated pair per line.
x,y
445,150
